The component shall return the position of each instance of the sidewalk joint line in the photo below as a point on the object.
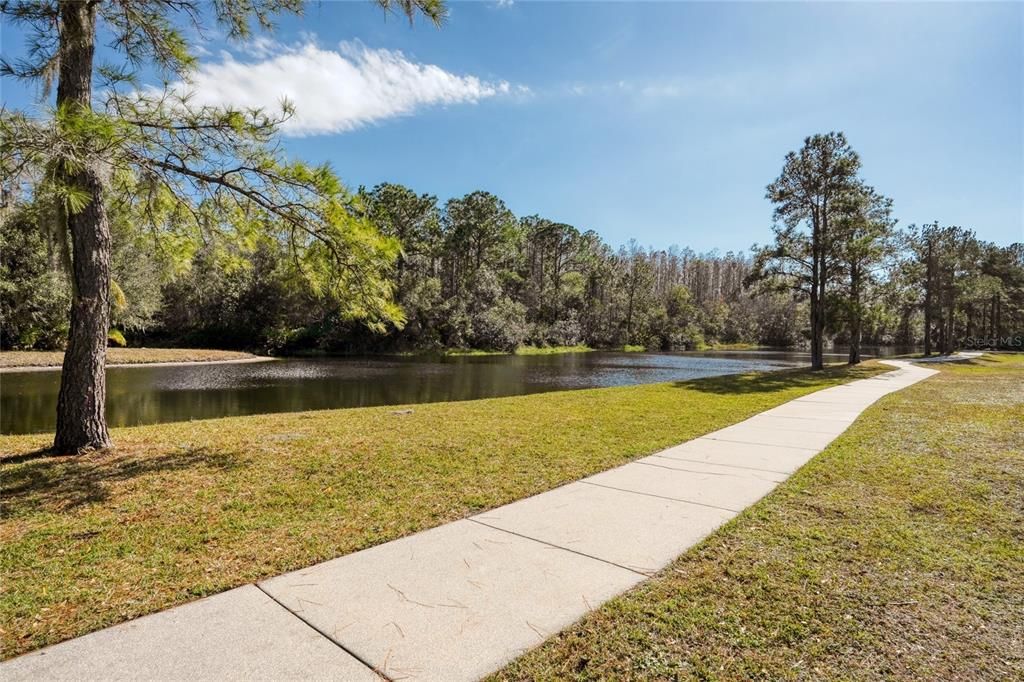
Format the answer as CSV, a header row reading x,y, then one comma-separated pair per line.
x,y
689,471
744,442
735,466
831,402
792,430
738,474
572,551
794,416
326,636
663,497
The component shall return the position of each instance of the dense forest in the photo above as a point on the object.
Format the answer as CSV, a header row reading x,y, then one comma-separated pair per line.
x,y
469,274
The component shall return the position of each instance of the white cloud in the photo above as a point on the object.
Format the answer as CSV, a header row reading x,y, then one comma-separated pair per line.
x,y
336,90
262,47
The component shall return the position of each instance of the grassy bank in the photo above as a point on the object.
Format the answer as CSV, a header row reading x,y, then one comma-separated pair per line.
x,y
121,356
898,553
472,352
733,346
552,350
183,510
521,350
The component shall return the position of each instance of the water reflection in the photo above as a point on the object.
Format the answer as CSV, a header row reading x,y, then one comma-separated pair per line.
x,y
145,395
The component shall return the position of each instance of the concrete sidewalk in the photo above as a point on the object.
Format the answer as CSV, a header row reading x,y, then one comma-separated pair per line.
x,y
458,601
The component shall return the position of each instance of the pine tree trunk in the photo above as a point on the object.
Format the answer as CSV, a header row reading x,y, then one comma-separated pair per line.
x,y
819,331
928,283
81,421
817,293
815,341
629,314
951,334
992,319
998,324
941,323
946,306
855,319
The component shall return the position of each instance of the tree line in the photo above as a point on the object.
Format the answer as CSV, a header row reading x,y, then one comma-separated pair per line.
x,y
467,273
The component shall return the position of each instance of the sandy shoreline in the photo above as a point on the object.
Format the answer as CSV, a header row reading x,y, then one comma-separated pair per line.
x,y
57,368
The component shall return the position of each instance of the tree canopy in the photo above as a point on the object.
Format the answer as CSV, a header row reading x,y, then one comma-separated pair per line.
x,y
188,174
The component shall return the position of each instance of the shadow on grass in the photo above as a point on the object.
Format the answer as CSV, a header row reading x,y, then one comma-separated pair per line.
x,y
768,382
64,483
27,456
989,360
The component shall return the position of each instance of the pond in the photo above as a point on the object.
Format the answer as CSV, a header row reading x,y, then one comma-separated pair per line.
x,y
147,395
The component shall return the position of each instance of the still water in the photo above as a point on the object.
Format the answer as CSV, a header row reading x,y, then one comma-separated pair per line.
x,y
147,395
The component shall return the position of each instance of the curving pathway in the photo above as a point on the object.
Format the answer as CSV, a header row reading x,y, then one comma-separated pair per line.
x,y
459,601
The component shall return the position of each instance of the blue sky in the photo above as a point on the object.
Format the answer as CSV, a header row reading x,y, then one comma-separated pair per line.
x,y
655,121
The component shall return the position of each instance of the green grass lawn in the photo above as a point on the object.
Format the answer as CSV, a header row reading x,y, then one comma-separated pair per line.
x,y
122,356
898,553
184,510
